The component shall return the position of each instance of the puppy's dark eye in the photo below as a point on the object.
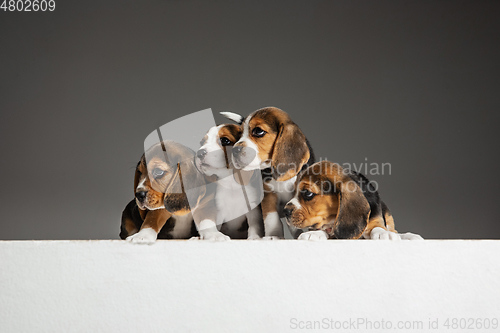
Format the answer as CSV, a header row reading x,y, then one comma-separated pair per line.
x,y
307,195
258,132
158,173
225,141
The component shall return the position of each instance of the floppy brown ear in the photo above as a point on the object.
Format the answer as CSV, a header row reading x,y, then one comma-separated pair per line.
x,y
354,210
185,189
194,183
137,175
175,200
290,152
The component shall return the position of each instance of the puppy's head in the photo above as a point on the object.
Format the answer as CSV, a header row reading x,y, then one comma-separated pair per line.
x,y
214,155
147,185
271,139
167,178
328,199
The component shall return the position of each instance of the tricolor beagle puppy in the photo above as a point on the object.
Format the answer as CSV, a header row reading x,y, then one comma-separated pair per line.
x,y
191,193
272,142
334,202
145,219
238,194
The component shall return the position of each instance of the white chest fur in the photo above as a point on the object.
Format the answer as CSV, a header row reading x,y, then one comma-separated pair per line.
x,y
284,189
234,200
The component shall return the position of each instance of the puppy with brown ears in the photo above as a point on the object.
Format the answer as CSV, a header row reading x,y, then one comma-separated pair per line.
x,y
333,202
272,142
157,176
239,193
186,191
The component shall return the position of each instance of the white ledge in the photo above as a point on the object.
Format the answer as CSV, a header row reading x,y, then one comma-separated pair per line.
x,y
243,286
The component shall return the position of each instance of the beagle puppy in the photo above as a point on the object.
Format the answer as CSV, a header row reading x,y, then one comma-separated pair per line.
x,y
333,202
238,193
187,192
272,142
145,218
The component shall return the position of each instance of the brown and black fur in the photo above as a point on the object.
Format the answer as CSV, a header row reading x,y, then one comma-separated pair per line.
x,y
284,145
162,195
133,220
345,205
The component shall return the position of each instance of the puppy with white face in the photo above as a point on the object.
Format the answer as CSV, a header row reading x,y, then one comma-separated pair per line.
x,y
238,193
272,142
213,158
145,218
336,203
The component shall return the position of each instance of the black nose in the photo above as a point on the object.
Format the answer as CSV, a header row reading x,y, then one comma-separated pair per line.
x,y
288,210
141,195
237,149
201,153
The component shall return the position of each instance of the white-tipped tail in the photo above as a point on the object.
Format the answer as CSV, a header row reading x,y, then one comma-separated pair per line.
x,y
233,116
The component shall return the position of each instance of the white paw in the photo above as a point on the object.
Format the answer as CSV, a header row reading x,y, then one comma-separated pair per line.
x,y
215,236
145,236
272,238
410,236
253,237
313,235
194,238
382,234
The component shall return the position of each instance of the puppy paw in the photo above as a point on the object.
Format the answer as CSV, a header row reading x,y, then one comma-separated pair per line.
x,y
215,236
145,236
272,238
410,236
313,235
194,238
382,234
253,237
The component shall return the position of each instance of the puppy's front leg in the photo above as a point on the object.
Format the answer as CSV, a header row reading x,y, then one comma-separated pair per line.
x,y
205,218
255,226
376,230
315,235
272,225
208,231
153,222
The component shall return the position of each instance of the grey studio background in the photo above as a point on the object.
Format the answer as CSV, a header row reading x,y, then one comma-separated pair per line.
x,y
411,83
